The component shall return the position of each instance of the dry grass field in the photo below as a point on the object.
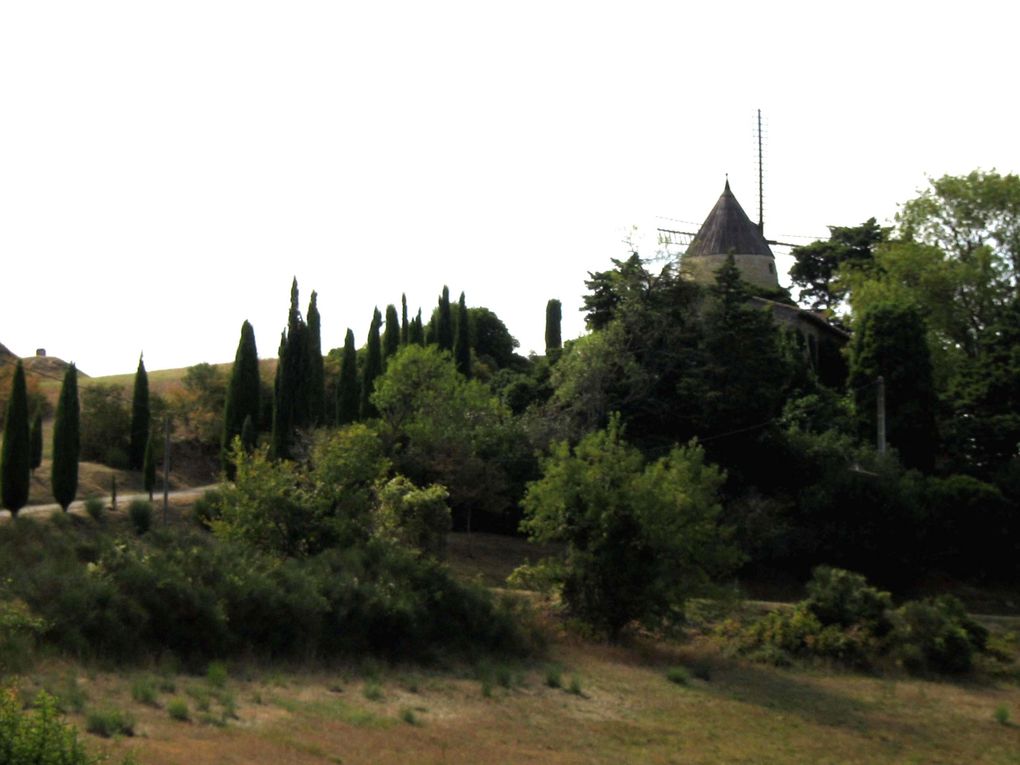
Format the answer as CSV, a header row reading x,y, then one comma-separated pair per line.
x,y
581,702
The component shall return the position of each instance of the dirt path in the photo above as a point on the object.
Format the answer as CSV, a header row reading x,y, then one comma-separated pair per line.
x,y
123,500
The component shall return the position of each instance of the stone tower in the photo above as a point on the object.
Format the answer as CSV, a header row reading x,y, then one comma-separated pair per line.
x,y
727,229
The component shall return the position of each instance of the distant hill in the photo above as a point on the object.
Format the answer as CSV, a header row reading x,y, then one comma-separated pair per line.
x,y
48,366
6,357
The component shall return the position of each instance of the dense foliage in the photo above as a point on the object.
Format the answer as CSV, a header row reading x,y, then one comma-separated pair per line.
x,y
66,441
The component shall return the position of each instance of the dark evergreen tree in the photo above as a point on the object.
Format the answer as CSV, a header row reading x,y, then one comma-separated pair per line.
x,y
140,418
290,394
35,438
348,391
16,457
391,333
283,406
373,366
315,376
416,332
553,337
249,434
243,391
405,329
890,341
66,441
149,468
444,323
462,341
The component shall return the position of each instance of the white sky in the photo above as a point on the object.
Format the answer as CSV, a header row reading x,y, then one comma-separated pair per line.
x,y
166,168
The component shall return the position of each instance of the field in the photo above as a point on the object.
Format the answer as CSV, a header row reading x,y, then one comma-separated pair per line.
x,y
581,702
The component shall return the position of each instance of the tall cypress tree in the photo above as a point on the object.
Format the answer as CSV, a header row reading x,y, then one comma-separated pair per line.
x,y
243,391
283,406
290,398
315,374
140,416
35,440
149,468
373,366
405,328
66,441
553,336
462,341
391,333
16,458
415,332
348,391
444,322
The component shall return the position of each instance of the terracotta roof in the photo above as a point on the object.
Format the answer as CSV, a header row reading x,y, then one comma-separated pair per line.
x,y
728,229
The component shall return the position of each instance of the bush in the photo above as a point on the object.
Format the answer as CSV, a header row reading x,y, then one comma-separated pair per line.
x,y
178,710
110,722
844,599
19,628
144,690
95,508
678,675
140,513
417,518
937,635
208,508
38,735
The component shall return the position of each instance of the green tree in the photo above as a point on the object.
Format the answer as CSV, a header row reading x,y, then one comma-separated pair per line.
x,y
817,265
553,337
66,441
391,333
16,457
890,342
373,366
290,401
149,467
416,332
405,327
36,440
640,539
462,340
490,339
249,435
105,425
140,418
444,323
348,391
243,392
414,517
315,378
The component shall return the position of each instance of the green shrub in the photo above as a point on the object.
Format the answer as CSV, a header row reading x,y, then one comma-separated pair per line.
x,y
110,722
407,715
678,675
19,628
844,599
144,690
1002,714
140,513
554,677
207,508
575,686
95,508
418,518
937,635
217,674
372,691
178,710
38,735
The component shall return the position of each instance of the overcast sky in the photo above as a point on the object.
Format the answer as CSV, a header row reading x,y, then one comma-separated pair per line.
x,y
166,168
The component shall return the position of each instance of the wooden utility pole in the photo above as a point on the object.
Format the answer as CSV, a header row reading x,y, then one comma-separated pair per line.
x,y
880,412
166,466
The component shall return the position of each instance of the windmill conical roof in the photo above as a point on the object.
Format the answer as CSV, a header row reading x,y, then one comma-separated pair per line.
x,y
728,229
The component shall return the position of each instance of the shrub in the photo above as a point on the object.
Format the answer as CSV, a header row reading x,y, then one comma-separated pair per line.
x,y
140,513
38,735
208,508
178,710
217,674
95,508
843,598
678,675
554,677
144,690
1002,714
417,518
936,634
19,628
110,722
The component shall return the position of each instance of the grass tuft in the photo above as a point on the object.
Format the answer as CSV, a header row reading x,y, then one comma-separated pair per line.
x,y
678,675
110,722
144,690
178,710
1002,714
372,691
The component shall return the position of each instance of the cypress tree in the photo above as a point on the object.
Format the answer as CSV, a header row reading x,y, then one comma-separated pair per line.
x,y
391,333
140,416
243,392
290,393
315,373
66,441
373,366
149,468
444,322
348,391
416,332
283,406
35,440
249,434
553,337
462,342
405,329
16,458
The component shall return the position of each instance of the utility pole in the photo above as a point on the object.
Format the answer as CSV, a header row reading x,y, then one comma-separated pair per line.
x,y
880,412
761,183
166,466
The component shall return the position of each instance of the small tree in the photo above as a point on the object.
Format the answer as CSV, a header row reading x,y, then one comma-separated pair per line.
x,y
348,390
553,337
640,539
462,341
16,458
391,333
415,517
36,439
66,441
140,416
243,392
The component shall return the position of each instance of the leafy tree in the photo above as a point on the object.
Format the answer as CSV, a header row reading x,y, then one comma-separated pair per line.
x,y
66,441
16,457
414,517
490,339
198,407
140,418
391,333
405,328
105,425
315,385
243,391
149,468
36,440
890,341
553,337
816,265
444,323
639,538
462,342
348,391
373,366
